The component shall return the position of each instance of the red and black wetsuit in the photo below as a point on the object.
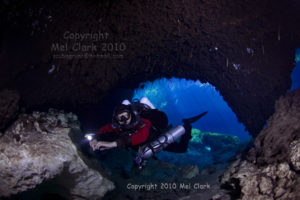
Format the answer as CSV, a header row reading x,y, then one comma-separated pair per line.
x,y
143,133
139,136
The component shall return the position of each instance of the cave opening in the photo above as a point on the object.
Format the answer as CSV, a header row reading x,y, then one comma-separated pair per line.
x,y
295,75
178,98
216,137
182,98
218,131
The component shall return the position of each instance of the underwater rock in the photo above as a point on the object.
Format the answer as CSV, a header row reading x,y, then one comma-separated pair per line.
x,y
248,181
189,171
9,106
209,170
295,154
215,142
270,169
38,148
273,143
221,196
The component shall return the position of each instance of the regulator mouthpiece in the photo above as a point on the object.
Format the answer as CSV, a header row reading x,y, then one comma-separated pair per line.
x,y
89,136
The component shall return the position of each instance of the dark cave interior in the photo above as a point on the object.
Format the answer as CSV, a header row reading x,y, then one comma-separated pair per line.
x,y
162,40
85,57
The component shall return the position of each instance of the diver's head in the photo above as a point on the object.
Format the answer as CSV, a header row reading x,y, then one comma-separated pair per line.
x,y
125,117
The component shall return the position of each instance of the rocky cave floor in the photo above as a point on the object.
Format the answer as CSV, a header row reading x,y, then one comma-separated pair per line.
x,y
177,176
160,180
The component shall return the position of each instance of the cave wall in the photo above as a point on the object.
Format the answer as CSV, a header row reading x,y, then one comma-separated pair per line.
x,y
271,168
244,48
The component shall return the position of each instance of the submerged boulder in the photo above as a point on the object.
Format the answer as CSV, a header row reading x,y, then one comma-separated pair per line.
x,y
215,142
248,181
38,148
189,171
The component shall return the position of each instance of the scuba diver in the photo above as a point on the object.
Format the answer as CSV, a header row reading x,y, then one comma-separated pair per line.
x,y
144,128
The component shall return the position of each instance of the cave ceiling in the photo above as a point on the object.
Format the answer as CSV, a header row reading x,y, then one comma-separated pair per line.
x,y
245,49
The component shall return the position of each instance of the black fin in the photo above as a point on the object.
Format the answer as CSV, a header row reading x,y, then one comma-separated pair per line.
x,y
193,119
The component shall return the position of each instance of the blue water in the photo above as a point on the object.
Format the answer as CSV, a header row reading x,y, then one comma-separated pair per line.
x,y
181,98
296,72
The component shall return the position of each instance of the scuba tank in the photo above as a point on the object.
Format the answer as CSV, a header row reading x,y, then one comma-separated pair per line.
x,y
148,150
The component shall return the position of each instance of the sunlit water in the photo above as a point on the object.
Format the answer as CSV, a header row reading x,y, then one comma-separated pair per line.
x,y
181,98
296,72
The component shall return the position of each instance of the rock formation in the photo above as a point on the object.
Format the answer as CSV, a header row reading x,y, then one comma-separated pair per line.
x,y
271,170
38,148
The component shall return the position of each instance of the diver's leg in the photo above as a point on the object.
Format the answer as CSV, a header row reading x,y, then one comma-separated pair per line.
x,y
174,147
185,139
182,145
